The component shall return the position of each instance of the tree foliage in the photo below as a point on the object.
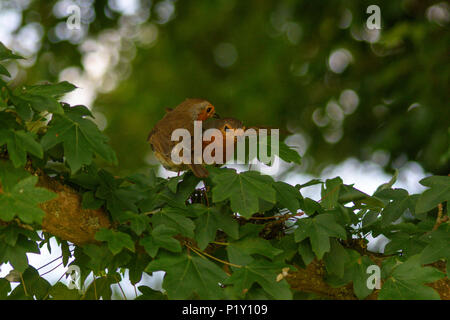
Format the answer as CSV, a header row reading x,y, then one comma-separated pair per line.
x,y
240,236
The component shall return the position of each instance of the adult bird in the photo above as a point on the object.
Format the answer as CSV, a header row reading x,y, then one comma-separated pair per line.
x,y
183,116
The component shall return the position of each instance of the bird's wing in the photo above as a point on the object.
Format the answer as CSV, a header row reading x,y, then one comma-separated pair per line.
x,y
160,136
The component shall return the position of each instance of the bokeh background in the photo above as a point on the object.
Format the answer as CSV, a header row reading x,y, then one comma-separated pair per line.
x,y
359,103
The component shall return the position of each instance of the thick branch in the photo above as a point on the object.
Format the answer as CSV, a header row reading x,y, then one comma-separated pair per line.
x,y
64,216
311,279
66,219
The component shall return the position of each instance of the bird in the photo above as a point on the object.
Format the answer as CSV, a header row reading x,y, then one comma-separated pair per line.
x,y
228,127
183,116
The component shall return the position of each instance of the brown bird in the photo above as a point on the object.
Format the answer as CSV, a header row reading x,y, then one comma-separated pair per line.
x,y
227,127
183,116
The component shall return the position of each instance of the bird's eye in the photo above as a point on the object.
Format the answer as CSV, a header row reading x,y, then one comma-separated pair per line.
x,y
209,109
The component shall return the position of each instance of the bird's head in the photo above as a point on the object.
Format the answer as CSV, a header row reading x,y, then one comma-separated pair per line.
x,y
202,109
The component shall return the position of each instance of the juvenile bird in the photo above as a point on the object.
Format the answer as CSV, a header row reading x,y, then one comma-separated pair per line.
x,y
183,116
227,127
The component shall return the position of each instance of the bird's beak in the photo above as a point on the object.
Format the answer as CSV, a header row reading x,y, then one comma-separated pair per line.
x,y
216,116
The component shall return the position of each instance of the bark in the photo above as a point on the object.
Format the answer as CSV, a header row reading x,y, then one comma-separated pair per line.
x,y
64,216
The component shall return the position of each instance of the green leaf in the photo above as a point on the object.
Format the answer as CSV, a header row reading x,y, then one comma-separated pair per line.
x,y
370,218
116,240
210,222
344,215
65,252
438,246
34,284
16,254
61,292
5,288
309,183
101,287
355,271
284,152
136,267
319,230
22,201
330,193
160,237
50,90
4,71
19,143
11,233
439,192
289,249
38,103
172,183
407,281
186,187
80,137
310,206
41,98
243,190
174,218
263,273
250,243
335,259
10,176
288,154
388,185
23,108
188,275
8,120
305,251
287,196
347,193
89,201
394,209
5,53
138,222
119,199
94,257
408,244
150,294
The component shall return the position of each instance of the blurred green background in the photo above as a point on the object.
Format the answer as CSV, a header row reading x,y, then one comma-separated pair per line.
x,y
311,67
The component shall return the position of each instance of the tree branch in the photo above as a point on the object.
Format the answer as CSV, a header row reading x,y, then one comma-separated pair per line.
x,y
65,217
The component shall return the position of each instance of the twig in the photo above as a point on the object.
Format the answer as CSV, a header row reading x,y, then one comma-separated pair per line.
x,y
202,253
440,219
329,193
23,283
220,243
120,287
152,212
